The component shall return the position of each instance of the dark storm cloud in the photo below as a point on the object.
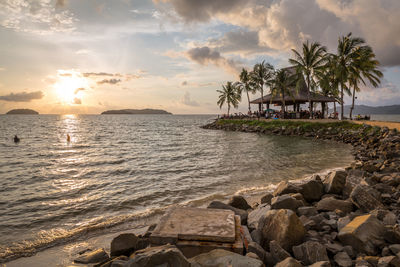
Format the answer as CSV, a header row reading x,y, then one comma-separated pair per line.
x,y
22,97
109,81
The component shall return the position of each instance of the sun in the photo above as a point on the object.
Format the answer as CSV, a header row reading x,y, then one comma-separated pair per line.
x,y
69,86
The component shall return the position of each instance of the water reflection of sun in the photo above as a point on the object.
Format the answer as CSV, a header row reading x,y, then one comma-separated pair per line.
x,y
70,86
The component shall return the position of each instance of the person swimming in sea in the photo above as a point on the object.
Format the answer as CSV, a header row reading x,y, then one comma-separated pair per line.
x,y
16,139
68,138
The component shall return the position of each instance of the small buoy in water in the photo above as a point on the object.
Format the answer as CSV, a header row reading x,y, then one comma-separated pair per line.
x,y
16,139
68,138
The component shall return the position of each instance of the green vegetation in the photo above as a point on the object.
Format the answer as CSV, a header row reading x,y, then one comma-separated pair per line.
x,y
324,73
304,125
230,94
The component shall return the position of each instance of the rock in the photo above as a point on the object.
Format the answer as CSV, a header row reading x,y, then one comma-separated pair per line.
x,y
353,178
255,248
392,234
167,255
321,264
256,235
124,244
343,260
312,190
310,252
278,254
96,256
284,227
220,257
285,202
116,262
334,182
395,248
286,188
289,262
239,202
266,199
219,205
307,211
252,255
366,198
245,233
389,261
334,248
332,204
342,222
364,233
255,215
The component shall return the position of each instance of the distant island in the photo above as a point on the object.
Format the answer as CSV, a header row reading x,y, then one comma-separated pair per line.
x,y
366,110
136,111
23,111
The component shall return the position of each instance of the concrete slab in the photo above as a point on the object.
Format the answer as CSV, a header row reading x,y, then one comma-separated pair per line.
x,y
195,224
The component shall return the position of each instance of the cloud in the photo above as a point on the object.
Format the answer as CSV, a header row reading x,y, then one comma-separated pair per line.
x,y
22,97
2,69
61,3
284,24
77,101
89,74
186,100
109,81
184,83
78,89
39,17
205,56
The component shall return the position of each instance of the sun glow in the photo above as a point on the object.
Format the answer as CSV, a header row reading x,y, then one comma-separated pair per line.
x,y
70,86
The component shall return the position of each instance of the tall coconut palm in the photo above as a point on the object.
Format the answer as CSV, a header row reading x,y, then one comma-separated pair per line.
x,y
261,75
347,53
364,69
246,85
280,85
310,60
230,95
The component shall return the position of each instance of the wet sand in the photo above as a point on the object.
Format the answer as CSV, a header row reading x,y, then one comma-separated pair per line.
x,y
390,125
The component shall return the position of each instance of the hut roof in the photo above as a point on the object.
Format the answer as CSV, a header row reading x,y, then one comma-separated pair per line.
x,y
297,96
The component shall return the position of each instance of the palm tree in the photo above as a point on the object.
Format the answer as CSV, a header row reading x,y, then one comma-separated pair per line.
x,y
365,68
262,75
246,85
281,83
230,95
347,54
308,62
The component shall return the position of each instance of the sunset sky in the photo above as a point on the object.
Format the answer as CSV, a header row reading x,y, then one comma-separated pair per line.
x,y
87,56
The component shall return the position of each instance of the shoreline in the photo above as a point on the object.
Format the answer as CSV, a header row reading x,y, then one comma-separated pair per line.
x,y
362,160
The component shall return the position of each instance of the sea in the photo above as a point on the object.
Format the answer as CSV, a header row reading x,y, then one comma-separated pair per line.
x,y
122,172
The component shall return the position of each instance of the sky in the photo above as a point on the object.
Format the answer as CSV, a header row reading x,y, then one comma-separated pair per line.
x,y
87,56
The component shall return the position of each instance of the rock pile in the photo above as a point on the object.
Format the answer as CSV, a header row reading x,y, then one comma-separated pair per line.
x,y
348,218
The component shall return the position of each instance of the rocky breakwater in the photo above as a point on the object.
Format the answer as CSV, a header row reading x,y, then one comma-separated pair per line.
x,y
349,217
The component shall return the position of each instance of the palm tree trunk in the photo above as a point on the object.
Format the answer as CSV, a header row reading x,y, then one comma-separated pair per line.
x,y
229,108
309,97
352,104
262,93
334,108
323,109
248,99
341,102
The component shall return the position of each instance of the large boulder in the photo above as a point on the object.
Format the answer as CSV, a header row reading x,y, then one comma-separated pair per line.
x,y
364,233
335,182
312,190
221,257
332,204
310,252
343,260
266,199
286,188
285,202
239,202
284,227
219,205
124,244
167,255
366,198
255,215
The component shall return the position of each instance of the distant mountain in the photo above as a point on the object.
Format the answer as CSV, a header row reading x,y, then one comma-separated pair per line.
x,y
136,111
366,110
23,111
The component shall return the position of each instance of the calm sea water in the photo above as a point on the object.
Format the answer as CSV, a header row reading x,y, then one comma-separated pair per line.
x,y
386,117
123,170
